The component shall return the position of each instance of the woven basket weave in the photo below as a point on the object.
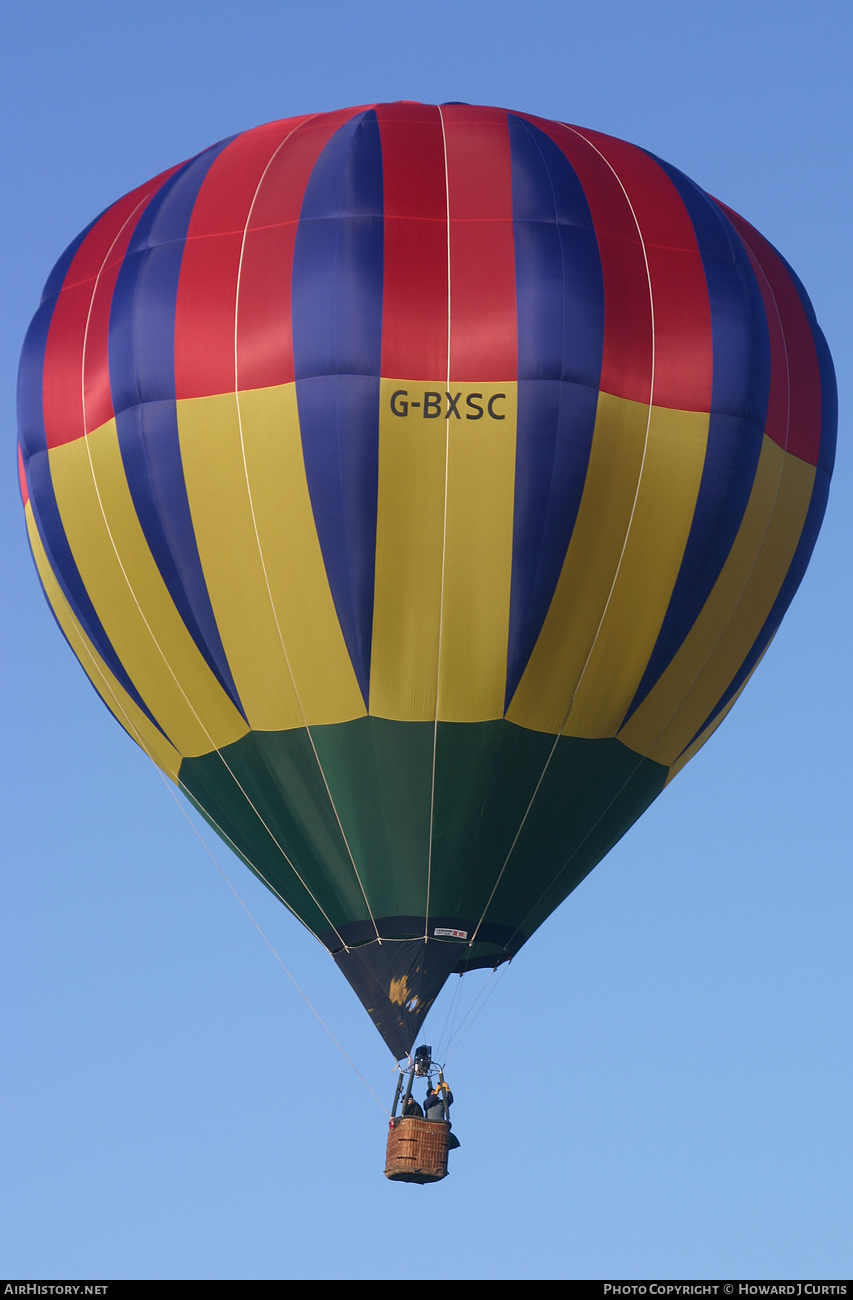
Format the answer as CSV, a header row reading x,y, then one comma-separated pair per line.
x,y
417,1151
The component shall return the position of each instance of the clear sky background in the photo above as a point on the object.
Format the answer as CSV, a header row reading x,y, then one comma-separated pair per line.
x,y
660,1084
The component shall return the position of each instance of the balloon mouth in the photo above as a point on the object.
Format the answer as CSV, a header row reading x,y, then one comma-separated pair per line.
x,y
398,972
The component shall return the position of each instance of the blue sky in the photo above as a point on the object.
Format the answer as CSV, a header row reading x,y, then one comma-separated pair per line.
x,y
659,1085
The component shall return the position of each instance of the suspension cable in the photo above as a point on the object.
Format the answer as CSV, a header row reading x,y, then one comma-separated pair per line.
x,y
275,954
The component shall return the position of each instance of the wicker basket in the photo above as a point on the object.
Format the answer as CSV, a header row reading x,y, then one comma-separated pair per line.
x,y
417,1150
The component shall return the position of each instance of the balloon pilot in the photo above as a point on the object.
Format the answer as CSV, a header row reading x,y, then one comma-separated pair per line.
x,y
412,1109
439,1099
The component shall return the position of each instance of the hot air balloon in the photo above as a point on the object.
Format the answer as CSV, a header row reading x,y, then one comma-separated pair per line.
x,y
419,487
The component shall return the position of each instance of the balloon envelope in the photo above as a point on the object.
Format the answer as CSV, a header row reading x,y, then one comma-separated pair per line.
x,y
419,486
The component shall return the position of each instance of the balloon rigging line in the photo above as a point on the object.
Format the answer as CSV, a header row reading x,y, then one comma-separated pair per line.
x,y
135,599
136,735
447,1035
482,997
722,630
617,571
250,496
298,988
132,729
223,834
443,546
